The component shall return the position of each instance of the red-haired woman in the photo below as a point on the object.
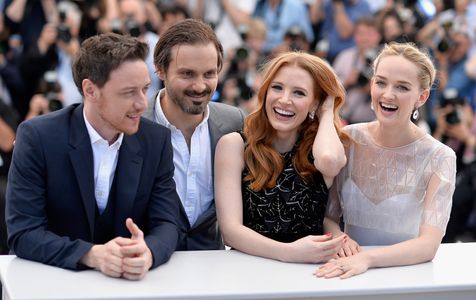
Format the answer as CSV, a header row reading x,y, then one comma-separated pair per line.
x,y
272,180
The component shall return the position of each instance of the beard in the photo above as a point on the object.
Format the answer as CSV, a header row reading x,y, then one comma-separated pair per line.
x,y
116,123
197,107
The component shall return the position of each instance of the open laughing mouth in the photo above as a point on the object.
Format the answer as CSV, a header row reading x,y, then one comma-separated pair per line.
x,y
283,113
388,107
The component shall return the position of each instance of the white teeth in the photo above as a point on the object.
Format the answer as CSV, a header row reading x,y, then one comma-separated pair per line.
x,y
389,106
283,112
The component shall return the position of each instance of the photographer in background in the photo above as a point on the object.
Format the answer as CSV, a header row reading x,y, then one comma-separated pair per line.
x,y
132,20
49,97
170,14
279,16
240,67
339,17
57,45
409,15
225,17
434,29
12,87
27,18
8,123
392,28
451,54
353,67
294,40
456,127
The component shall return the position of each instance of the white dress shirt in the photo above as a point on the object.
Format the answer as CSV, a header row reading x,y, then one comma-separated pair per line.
x,y
193,169
105,162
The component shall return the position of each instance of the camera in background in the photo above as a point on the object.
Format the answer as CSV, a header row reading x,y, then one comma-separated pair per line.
x,y
130,26
451,97
64,33
446,43
51,88
241,54
297,38
367,72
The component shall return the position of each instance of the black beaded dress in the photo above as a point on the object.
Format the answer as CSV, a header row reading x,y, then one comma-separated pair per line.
x,y
290,210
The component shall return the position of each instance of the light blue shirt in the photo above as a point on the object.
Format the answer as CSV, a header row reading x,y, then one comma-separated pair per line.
x,y
193,169
354,11
278,21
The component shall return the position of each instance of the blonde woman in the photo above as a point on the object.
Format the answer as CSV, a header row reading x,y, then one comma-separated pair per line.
x,y
396,189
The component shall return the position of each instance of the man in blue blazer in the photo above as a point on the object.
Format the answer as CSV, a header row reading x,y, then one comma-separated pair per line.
x,y
91,185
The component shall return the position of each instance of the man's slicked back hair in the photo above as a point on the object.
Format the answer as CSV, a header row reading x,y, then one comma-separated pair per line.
x,y
186,32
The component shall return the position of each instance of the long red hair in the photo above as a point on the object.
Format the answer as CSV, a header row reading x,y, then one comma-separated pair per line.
x,y
262,160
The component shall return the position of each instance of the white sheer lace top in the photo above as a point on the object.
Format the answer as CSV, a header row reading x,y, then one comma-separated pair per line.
x,y
385,194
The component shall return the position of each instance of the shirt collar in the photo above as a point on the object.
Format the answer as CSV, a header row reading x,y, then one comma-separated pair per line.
x,y
162,119
95,137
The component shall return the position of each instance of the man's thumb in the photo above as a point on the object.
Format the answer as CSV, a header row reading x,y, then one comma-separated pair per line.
x,y
134,229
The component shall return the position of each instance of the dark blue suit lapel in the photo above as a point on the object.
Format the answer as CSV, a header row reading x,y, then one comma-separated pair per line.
x,y
82,160
128,173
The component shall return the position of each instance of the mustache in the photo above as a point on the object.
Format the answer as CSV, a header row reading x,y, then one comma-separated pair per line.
x,y
192,93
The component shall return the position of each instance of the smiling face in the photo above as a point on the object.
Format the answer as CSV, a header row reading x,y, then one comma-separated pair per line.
x,y
366,37
192,77
117,106
391,28
396,91
462,43
134,9
289,99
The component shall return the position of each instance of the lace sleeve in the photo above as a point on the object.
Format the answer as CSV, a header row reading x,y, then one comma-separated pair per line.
x,y
334,210
439,194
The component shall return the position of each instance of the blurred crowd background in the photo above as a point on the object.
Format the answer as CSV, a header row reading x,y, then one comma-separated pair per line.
x,y
38,38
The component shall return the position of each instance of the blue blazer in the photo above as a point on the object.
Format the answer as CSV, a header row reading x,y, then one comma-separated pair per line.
x,y
50,202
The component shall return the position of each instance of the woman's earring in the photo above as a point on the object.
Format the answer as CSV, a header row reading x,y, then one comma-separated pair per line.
x,y
415,114
372,106
312,114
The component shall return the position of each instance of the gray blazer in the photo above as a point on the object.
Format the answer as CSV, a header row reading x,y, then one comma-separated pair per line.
x,y
204,235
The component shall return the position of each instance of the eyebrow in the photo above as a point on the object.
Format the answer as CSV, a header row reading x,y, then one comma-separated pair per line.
x,y
292,86
182,69
399,81
133,87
